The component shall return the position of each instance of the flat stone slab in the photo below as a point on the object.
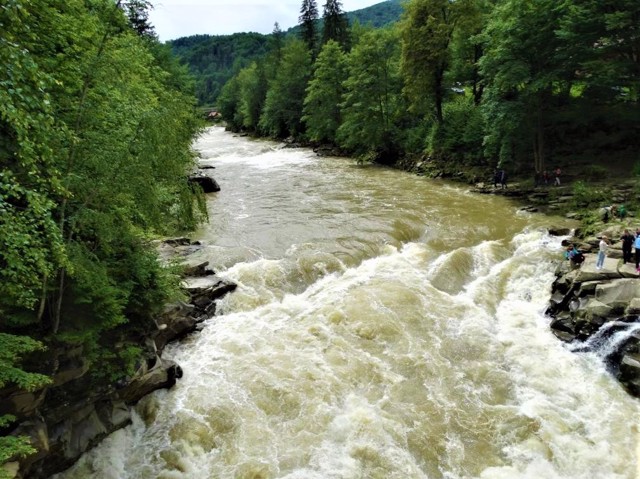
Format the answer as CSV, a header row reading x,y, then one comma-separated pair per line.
x,y
628,270
589,272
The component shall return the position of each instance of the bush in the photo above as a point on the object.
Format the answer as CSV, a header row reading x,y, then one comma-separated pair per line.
x,y
595,172
585,195
462,134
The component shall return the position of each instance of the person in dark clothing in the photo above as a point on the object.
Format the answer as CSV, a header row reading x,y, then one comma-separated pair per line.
x,y
500,178
627,243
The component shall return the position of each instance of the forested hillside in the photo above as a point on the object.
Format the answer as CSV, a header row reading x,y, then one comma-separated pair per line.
x,y
96,125
483,83
214,59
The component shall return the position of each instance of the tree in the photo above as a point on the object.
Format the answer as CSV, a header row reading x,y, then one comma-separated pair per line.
x,y
252,82
526,77
335,24
282,113
137,12
324,94
229,104
372,99
467,46
308,20
427,30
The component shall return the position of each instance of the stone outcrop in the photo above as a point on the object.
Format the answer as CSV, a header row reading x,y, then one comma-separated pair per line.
x,y
79,409
587,301
205,181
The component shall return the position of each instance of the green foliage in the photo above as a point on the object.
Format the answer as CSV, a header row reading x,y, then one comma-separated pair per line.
x,y
12,447
282,115
461,137
372,104
585,195
12,348
324,94
31,245
380,15
214,60
595,172
115,363
427,31
252,83
229,104
308,23
335,25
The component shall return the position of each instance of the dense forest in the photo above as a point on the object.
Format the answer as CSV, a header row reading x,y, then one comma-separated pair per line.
x,y
526,86
214,59
96,125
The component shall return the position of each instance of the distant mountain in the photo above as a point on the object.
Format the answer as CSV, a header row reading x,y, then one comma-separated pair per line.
x,y
378,15
214,59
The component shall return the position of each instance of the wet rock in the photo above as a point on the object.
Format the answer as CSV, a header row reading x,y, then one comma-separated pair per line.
x,y
586,299
559,231
196,268
629,373
207,183
163,375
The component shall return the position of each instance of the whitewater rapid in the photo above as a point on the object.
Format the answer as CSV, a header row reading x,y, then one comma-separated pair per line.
x,y
384,326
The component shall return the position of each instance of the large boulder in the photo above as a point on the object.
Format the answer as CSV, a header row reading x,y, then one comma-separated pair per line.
x,y
206,182
629,373
618,293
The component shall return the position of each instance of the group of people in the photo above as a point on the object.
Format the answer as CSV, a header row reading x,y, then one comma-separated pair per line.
x,y
545,178
630,241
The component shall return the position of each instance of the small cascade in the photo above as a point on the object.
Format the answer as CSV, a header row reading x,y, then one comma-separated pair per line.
x,y
608,341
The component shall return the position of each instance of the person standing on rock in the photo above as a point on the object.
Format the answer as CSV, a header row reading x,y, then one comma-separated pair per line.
x,y
627,243
602,252
557,173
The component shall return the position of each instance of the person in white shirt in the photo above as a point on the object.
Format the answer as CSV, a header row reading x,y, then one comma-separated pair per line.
x,y
602,252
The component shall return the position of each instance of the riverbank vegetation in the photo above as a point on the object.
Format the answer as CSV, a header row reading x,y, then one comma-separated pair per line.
x,y
96,126
472,84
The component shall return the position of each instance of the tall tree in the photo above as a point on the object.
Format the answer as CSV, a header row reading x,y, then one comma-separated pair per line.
x,y
308,22
253,92
335,24
528,79
137,12
427,30
372,99
324,94
283,107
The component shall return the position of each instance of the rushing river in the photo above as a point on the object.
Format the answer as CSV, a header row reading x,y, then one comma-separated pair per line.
x,y
385,326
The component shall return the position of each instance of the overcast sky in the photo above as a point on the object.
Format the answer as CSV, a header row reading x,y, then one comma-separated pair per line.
x,y
181,18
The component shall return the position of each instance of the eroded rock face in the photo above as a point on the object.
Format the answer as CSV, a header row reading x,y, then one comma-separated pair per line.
x,y
587,301
77,411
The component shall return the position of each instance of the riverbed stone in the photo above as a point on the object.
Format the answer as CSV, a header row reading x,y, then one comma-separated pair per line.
x,y
589,272
629,373
205,181
633,308
618,293
593,310
628,270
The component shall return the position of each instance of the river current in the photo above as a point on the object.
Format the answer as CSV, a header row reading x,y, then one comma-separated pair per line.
x,y
385,326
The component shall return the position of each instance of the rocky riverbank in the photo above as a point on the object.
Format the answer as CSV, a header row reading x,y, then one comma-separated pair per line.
x,y
77,411
590,308
597,309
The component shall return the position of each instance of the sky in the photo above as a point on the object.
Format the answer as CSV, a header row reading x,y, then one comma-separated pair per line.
x,y
182,18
